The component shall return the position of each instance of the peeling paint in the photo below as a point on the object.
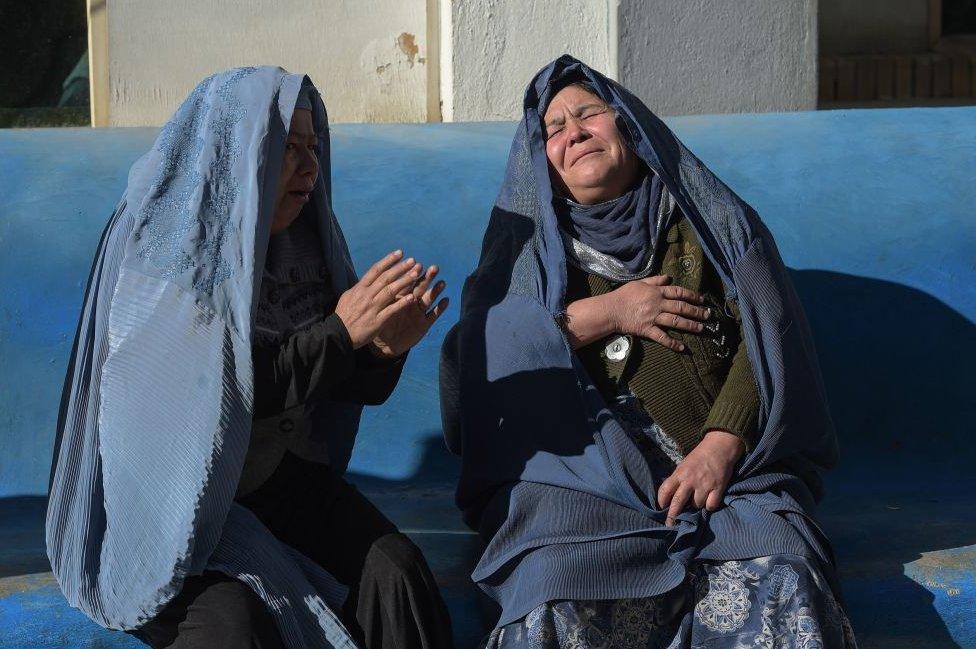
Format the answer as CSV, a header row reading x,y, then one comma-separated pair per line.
x,y
23,583
407,43
951,591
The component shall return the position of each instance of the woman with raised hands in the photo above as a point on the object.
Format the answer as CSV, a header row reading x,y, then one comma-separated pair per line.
x,y
223,358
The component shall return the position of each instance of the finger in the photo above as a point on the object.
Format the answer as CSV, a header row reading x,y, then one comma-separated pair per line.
x,y
685,309
674,321
714,501
381,266
436,312
392,274
657,280
678,503
398,306
681,293
666,491
396,282
421,288
430,296
701,495
403,286
657,335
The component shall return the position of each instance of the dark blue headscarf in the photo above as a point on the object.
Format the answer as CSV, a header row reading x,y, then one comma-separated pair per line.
x,y
620,227
562,495
625,227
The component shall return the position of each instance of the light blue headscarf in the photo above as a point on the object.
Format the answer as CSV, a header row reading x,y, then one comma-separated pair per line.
x,y
156,413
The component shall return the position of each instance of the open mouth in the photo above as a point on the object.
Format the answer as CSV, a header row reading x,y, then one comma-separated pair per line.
x,y
300,195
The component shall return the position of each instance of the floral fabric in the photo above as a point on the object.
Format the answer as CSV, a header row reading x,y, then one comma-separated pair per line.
x,y
774,602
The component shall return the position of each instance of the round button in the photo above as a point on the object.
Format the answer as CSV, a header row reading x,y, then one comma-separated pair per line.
x,y
617,349
286,425
273,297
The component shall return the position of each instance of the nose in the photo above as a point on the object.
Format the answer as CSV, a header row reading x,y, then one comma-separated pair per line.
x,y
309,164
575,131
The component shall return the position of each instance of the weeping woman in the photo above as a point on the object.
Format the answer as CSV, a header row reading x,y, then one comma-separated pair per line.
x,y
224,355
634,393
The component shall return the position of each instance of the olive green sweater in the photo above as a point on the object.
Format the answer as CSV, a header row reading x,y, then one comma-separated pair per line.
x,y
708,386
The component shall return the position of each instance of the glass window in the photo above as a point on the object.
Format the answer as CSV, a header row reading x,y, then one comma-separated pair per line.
x,y
44,63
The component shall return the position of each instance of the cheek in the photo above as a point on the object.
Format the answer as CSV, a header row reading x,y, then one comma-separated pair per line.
x,y
287,171
554,151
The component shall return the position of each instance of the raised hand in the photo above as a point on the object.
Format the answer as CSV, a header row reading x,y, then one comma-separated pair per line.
x,y
379,295
702,477
407,327
646,307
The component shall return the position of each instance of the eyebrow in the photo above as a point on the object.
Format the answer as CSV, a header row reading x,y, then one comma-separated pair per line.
x,y
579,109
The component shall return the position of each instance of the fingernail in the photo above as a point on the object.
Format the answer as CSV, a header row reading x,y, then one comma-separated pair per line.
x,y
708,313
409,260
397,252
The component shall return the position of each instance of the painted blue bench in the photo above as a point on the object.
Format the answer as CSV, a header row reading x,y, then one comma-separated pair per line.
x,y
872,209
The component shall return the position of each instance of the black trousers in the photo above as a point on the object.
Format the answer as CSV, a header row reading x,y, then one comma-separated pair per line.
x,y
393,600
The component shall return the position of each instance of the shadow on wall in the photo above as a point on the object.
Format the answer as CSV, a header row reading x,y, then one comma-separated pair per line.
x,y
897,364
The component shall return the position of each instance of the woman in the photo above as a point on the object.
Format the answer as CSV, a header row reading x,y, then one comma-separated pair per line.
x,y
223,356
634,394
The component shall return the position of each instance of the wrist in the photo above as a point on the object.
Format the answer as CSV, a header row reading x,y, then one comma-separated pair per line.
x,y
382,352
728,443
607,305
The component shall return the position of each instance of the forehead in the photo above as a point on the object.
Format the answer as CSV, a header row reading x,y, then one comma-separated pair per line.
x,y
301,123
571,97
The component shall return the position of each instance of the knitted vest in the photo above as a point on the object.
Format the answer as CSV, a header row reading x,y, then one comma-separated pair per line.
x,y
709,385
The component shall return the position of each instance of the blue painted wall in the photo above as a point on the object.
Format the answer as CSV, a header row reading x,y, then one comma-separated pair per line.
x,y
872,209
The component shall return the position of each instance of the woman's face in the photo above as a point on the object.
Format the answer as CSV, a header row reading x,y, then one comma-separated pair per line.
x,y
588,158
299,171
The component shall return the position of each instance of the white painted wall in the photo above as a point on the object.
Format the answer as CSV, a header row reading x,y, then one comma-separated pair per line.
x,y
498,45
873,26
368,57
719,56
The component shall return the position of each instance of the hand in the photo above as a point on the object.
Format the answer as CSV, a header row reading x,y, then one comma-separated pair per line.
x,y
381,293
405,328
702,477
645,307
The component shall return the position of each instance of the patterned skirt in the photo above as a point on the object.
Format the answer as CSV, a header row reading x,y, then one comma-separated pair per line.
x,y
775,602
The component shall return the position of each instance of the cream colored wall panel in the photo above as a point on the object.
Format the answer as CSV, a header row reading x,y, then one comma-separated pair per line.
x,y
499,44
368,57
719,56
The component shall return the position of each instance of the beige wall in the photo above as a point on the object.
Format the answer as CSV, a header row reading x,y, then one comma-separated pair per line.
x,y
368,57
497,45
719,56
372,62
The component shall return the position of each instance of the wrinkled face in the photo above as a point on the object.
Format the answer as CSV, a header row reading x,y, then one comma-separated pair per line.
x,y
588,158
299,171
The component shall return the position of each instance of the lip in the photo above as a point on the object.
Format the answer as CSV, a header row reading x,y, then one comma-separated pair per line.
x,y
583,155
300,195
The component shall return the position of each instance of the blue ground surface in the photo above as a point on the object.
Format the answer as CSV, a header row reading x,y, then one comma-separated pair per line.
x,y
873,211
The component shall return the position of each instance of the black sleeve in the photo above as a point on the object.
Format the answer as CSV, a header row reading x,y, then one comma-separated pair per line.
x,y
450,392
373,380
316,363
